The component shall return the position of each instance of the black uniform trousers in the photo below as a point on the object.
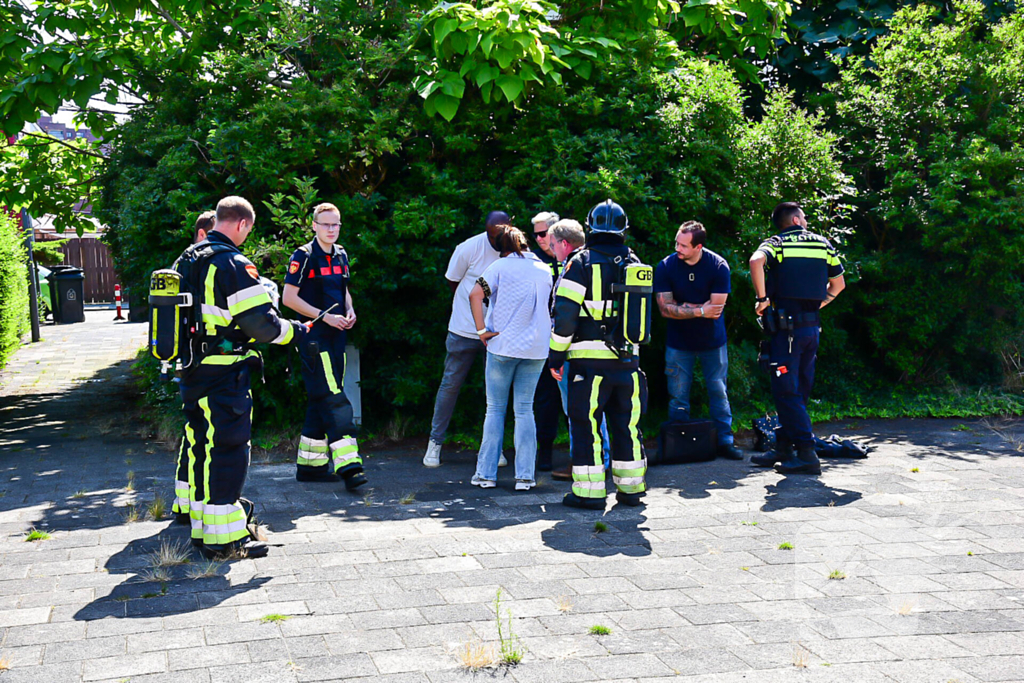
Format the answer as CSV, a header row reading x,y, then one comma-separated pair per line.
x,y
792,357
328,440
620,397
547,413
218,414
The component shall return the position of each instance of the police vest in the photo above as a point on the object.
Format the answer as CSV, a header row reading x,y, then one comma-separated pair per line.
x,y
800,267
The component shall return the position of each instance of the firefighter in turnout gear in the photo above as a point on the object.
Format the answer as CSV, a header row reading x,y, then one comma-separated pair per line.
x,y
316,287
235,311
795,274
592,331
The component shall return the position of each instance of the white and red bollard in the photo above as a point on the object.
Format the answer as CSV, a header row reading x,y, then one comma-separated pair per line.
x,y
117,300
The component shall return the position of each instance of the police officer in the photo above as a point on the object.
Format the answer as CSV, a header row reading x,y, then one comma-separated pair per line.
x,y
795,274
235,312
317,284
604,381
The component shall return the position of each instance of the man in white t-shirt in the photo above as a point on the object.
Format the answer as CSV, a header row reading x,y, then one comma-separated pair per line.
x,y
469,262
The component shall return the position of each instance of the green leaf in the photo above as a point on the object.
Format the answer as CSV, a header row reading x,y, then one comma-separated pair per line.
x,y
485,91
511,86
584,68
426,89
459,42
487,43
485,74
503,56
446,106
442,28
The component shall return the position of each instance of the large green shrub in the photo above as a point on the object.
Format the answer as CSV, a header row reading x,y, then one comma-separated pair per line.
x,y
933,123
13,287
669,146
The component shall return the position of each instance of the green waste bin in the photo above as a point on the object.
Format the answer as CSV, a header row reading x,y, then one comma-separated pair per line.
x,y
67,294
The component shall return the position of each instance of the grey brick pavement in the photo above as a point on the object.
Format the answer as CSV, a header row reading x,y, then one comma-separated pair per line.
x,y
692,586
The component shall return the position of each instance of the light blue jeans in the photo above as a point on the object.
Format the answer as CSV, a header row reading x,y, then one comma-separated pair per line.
x,y
520,375
563,386
679,370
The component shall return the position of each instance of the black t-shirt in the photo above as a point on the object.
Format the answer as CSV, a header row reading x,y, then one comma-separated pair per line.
x,y
694,285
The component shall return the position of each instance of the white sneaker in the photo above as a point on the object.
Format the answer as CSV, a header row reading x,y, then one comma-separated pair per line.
x,y
525,484
482,483
433,456
502,462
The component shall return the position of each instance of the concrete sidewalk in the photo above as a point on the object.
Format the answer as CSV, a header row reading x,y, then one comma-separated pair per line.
x,y
907,566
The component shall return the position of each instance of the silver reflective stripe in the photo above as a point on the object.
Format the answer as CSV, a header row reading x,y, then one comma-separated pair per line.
x,y
587,469
589,484
306,441
627,481
210,309
285,328
574,286
629,464
247,293
559,339
341,443
217,529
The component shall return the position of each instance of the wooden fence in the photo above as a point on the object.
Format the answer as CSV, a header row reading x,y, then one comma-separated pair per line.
x,y
99,268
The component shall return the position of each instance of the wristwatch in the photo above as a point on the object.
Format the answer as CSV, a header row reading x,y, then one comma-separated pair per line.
x,y
701,309
761,299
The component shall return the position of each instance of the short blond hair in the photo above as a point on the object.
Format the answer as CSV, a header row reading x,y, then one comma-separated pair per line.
x,y
569,230
324,208
234,209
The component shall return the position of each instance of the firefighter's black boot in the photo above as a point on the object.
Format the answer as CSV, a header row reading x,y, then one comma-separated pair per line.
x,y
805,462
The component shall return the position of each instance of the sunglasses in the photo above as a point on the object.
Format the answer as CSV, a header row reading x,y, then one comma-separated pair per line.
x,y
542,233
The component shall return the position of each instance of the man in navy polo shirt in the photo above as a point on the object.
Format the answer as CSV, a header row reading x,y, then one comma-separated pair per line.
x,y
692,286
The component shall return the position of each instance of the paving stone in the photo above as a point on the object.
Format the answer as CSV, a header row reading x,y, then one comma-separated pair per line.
x,y
287,649
568,671
124,667
703,661
24,617
70,651
341,667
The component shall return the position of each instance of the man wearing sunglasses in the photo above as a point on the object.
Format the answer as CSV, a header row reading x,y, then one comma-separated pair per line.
x,y
547,399
317,288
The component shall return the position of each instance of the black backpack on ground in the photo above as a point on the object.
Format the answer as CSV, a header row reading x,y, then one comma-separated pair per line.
x,y
682,441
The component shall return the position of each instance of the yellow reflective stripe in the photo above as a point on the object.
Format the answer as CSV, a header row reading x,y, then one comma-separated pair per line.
x,y
287,332
210,299
573,291
596,284
559,343
325,359
833,259
592,354
634,418
595,426
596,309
247,299
228,359
802,252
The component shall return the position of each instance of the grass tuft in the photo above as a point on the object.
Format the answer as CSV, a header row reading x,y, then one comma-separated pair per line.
x,y
130,486
35,534
204,570
274,618
600,527
171,554
915,469
564,604
132,513
474,654
157,509
407,499
786,546
837,575
80,493
156,575
511,649
905,608
748,523
599,630
5,664
800,656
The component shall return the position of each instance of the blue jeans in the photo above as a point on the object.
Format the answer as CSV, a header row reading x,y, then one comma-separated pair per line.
x,y
679,370
520,375
563,386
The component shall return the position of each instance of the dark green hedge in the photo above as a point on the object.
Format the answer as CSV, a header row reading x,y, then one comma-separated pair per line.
x,y
13,288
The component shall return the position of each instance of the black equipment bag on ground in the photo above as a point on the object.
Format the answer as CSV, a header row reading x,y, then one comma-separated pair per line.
x,y
685,441
764,432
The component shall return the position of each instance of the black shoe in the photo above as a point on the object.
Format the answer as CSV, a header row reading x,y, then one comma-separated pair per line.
x,y
574,501
544,465
730,452
238,550
197,543
805,462
630,499
765,459
354,478
182,518
318,474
